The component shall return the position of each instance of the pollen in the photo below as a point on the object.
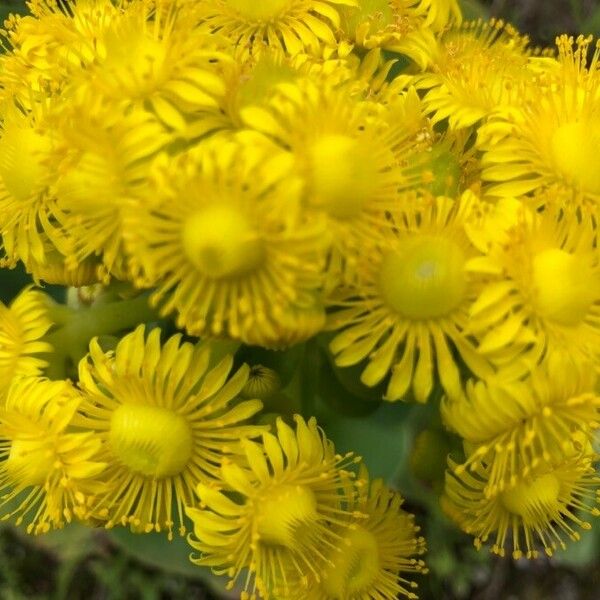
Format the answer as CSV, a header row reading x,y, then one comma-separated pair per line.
x,y
221,242
424,277
150,440
561,283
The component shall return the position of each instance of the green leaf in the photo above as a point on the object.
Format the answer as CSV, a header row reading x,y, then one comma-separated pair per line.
x,y
154,549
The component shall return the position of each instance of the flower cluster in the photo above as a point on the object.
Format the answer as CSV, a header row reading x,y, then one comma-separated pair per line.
x,y
421,192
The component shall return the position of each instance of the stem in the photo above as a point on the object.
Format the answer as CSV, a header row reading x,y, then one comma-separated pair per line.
x,y
76,327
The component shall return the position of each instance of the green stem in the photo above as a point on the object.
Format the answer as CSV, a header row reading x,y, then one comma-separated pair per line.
x,y
76,327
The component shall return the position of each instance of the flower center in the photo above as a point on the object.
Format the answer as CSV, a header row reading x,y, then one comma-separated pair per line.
x,y
342,175
355,569
563,286
264,10
29,462
150,440
534,499
424,277
220,242
285,516
575,152
22,151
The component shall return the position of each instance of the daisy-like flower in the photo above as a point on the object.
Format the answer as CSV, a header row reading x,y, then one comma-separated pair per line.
x,y
293,25
23,326
28,164
514,427
543,511
106,162
551,138
543,291
355,156
476,68
153,56
276,522
226,243
402,26
376,552
409,314
165,418
48,471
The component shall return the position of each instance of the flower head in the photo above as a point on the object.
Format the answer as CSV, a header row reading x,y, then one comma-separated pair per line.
x,y
514,427
49,472
477,68
23,325
376,551
165,418
293,25
543,289
354,155
409,313
551,137
226,243
277,522
405,27
542,511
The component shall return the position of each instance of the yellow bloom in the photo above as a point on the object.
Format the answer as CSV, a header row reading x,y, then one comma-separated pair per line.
x,y
410,311
152,55
22,327
28,164
277,522
402,26
165,419
540,511
224,239
351,153
551,139
476,69
105,166
48,471
375,553
513,428
293,25
543,289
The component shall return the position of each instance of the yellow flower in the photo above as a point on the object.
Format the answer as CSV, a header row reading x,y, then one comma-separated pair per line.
x,y
277,521
477,68
293,25
153,55
402,26
515,427
28,164
45,49
105,166
376,551
351,153
23,326
48,471
165,419
224,239
543,289
551,139
540,511
409,313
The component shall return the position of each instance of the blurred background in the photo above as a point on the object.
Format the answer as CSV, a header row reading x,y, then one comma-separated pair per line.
x,y
79,563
